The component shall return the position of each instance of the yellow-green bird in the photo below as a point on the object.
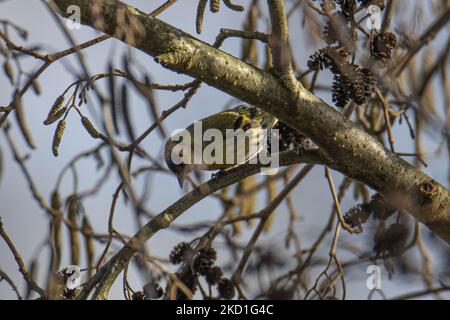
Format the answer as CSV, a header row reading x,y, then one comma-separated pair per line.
x,y
220,141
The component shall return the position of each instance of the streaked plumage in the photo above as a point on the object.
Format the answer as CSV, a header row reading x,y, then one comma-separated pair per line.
x,y
244,119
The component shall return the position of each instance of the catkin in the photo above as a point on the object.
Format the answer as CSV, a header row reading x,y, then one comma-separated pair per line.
x,y
58,136
73,233
214,5
233,6
55,116
9,71
89,243
36,86
20,117
55,200
200,12
271,194
248,205
249,48
56,111
87,124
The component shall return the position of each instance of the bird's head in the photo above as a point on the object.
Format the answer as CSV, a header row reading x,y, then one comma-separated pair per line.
x,y
174,161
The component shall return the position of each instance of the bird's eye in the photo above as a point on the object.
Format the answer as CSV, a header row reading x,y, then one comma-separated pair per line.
x,y
238,123
253,112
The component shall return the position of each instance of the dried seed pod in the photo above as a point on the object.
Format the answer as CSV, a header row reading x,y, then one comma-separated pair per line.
x,y
357,216
214,6
138,295
226,288
393,240
181,252
348,8
56,111
351,82
20,117
153,290
368,82
380,207
204,260
329,34
7,68
58,136
329,57
200,13
337,30
87,124
290,139
190,281
318,60
382,45
214,275
339,94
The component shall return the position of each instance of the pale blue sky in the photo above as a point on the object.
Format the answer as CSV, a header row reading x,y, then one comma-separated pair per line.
x,y
28,225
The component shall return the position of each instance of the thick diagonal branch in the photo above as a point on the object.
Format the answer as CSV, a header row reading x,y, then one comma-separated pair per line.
x,y
354,152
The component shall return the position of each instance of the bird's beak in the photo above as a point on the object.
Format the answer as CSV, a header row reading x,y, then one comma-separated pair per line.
x,y
180,180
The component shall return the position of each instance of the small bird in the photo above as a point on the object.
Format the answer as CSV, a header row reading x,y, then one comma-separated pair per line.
x,y
231,125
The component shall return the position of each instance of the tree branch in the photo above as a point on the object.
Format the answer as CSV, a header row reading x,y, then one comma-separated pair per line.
x,y
279,44
106,276
355,153
279,36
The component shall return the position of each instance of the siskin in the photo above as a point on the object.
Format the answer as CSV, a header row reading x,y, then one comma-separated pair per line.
x,y
240,135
